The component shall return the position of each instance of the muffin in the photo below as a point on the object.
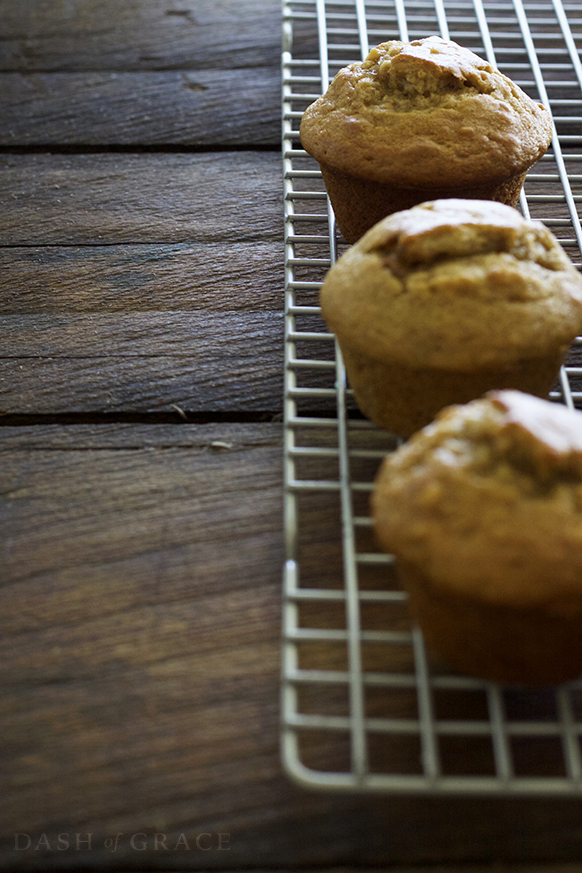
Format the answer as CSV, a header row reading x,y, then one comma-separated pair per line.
x,y
442,302
483,511
421,121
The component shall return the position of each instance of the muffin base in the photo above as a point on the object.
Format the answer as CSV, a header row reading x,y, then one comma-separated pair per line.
x,y
403,399
489,641
359,203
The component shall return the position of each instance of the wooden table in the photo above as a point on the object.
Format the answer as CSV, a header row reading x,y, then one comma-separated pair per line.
x,y
141,398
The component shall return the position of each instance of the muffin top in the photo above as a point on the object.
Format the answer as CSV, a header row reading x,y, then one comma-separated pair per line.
x,y
425,114
487,501
454,284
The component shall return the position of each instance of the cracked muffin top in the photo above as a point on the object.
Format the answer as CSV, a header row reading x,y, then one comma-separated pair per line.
x,y
424,113
451,282
487,501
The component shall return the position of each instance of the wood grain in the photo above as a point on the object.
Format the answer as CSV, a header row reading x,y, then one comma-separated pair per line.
x,y
155,323
139,35
236,373
172,477
142,278
201,108
115,539
104,199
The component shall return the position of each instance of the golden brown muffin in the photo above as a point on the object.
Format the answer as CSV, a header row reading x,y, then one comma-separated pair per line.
x,y
483,510
421,121
440,303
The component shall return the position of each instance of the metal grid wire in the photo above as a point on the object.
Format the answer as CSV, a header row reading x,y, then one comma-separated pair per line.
x,y
364,706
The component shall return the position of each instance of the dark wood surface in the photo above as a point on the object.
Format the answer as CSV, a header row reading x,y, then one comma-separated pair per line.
x,y
141,468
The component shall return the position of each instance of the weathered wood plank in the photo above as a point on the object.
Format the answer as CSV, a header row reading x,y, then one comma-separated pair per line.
x,y
201,108
157,323
199,336
240,276
239,375
120,667
139,35
213,437
172,480
236,375
141,328
104,198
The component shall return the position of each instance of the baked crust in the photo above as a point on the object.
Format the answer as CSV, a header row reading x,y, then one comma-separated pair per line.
x,y
429,113
486,503
455,284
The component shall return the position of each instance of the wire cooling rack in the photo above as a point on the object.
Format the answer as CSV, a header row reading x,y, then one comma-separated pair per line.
x,y
364,706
